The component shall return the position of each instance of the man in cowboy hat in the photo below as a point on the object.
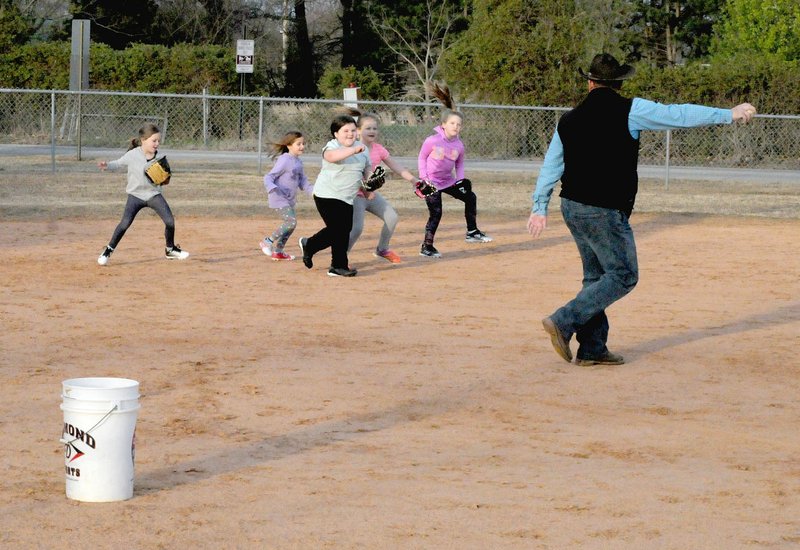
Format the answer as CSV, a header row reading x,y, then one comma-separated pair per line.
x,y
594,153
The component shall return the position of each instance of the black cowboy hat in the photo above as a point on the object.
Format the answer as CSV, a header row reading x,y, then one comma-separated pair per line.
x,y
605,68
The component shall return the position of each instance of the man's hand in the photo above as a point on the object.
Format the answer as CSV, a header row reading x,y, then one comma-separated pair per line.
x,y
536,224
743,113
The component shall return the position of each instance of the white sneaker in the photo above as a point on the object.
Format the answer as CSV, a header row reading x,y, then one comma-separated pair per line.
x,y
105,255
266,247
477,236
175,253
429,250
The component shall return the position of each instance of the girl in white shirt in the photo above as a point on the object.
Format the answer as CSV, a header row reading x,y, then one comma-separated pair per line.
x,y
345,164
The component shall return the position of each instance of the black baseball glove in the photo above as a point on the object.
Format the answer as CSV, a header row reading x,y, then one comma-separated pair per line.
x,y
424,188
375,181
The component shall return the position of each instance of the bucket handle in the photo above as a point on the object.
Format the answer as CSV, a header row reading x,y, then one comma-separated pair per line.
x,y
115,407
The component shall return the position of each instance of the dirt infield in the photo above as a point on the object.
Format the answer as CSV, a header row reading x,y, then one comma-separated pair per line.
x,y
414,406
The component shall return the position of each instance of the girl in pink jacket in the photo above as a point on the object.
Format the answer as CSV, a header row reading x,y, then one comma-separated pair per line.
x,y
441,162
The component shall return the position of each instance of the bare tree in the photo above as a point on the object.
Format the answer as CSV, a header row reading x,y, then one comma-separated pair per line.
x,y
208,21
419,42
181,21
43,16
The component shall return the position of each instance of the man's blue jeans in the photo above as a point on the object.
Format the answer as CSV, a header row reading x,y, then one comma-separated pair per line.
x,y
610,271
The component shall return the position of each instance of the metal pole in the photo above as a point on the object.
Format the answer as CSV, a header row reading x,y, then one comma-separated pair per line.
x,y
205,118
666,175
260,130
241,89
241,104
80,87
78,127
53,131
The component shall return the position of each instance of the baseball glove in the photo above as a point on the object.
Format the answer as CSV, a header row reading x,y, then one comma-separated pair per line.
x,y
158,171
375,181
424,188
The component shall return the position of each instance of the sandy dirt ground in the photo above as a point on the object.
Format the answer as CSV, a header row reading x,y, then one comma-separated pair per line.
x,y
414,406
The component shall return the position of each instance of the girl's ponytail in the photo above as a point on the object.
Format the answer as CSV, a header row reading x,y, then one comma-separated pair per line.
x,y
145,132
445,97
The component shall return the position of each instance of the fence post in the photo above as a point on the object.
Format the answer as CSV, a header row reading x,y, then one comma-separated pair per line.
x,y
53,131
205,118
78,127
666,174
260,129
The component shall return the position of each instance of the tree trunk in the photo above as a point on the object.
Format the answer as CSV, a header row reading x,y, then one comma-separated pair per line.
x,y
348,15
300,73
672,46
285,28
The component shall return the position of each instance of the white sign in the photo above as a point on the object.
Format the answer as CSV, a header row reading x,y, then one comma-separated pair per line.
x,y
351,97
244,55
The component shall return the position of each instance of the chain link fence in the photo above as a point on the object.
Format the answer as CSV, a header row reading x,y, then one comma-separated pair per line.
x,y
64,124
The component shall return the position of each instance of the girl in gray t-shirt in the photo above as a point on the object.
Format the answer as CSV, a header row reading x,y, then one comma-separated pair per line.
x,y
142,193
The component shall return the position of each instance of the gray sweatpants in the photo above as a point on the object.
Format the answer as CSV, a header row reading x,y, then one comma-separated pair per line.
x,y
381,208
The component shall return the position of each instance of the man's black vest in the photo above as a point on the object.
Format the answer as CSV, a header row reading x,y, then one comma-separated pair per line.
x,y
600,156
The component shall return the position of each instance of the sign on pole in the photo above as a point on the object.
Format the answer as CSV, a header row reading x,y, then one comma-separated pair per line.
x,y
244,56
79,57
79,70
351,96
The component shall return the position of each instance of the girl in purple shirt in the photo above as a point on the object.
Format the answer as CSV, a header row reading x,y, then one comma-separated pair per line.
x,y
282,183
441,162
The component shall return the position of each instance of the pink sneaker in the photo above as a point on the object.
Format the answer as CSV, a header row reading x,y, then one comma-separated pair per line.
x,y
277,256
388,255
266,247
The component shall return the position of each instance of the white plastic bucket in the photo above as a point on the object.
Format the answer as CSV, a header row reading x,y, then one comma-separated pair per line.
x,y
99,437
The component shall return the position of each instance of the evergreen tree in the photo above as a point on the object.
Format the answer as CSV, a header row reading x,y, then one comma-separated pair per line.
x,y
761,28
518,51
667,32
15,29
